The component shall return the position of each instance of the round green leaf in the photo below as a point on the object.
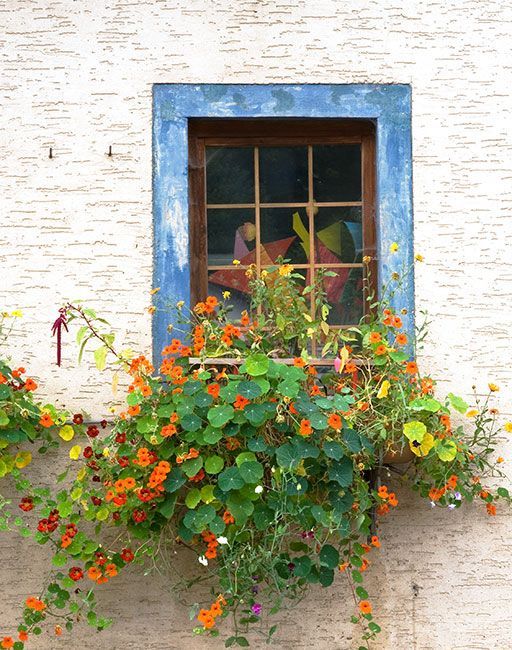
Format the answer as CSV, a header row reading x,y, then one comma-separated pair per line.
x,y
192,466
230,479
251,471
256,364
214,464
218,416
192,499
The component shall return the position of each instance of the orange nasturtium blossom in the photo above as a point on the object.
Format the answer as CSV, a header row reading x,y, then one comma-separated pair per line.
x,y
299,362
334,421
35,604
375,541
375,337
23,635
365,607
30,384
380,350
401,339
46,420
305,428
411,368
7,642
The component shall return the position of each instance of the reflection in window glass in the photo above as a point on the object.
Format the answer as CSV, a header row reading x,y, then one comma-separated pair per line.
x,y
284,233
338,235
236,282
283,174
229,175
231,236
345,295
337,173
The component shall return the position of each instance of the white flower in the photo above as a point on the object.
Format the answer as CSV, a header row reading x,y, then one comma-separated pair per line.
x,y
222,540
451,506
432,504
258,489
202,560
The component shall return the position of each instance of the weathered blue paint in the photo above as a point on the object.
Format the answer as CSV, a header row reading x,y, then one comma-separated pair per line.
x,y
389,105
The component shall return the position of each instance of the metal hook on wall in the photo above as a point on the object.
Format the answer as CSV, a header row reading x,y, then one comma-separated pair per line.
x,y
110,154
50,155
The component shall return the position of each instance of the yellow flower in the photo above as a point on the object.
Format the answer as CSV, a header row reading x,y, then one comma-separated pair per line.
x,y
493,388
367,259
226,294
23,458
264,273
17,313
393,248
508,427
395,276
418,257
422,448
500,459
106,452
67,432
74,453
153,291
285,270
151,310
472,413
180,304
384,389
236,262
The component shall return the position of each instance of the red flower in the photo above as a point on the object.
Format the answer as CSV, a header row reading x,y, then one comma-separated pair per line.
x,y
78,418
138,516
92,431
87,452
76,573
26,504
127,555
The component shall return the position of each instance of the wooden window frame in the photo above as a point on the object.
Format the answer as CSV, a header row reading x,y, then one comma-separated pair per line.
x,y
274,132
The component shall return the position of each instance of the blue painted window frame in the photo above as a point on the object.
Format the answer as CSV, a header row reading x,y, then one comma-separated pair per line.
x,y
388,105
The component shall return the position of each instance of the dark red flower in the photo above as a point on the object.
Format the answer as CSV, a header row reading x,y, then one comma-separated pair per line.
x,y
92,431
124,461
96,501
78,418
127,555
120,438
138,516
26,504
103,424
76,573
87,452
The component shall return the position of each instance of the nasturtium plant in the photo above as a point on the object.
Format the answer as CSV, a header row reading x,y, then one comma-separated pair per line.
x,y
264,462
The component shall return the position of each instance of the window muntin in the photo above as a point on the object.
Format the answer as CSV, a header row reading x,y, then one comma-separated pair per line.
x,y
299,189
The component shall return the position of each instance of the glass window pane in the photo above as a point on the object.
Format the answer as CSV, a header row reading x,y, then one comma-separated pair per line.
x,y
345,295
230,175
284,233
337,172
231,236
338,235
236,282
283,174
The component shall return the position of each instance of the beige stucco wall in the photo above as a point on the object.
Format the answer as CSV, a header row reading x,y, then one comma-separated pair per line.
x,y
77,76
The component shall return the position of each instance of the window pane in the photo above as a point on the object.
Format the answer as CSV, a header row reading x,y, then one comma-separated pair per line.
x,y
230,174
338,235
337,172
231,236
283,174
234,281
284,233
345,295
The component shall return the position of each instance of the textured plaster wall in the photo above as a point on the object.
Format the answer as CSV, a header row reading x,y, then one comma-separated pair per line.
x,y
77,76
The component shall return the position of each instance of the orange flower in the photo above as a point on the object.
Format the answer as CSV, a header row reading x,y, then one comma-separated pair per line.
x,y
392,500
245,319
375,541
168,431
146,390
452,481
213,390
216,609
446,422
111,570
375,337
491,509
365,607
401,339
334,421
30,384
299,362
383,492
94,573
351,367
228,518
134,410
35,604
396,322
7,642
58,630
315,390
436,493
240,402
46,420
23,636
305,428
383,509
380,350
411,368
